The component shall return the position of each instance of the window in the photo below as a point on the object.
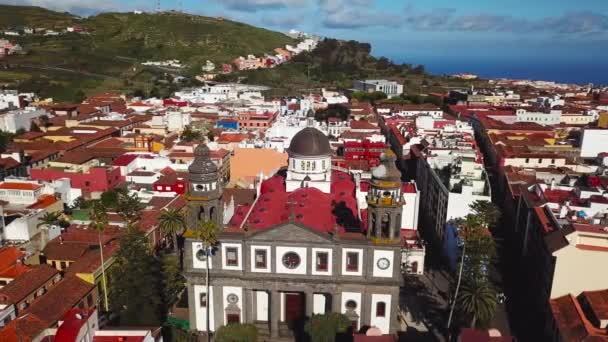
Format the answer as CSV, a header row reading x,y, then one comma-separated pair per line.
x,y
322,260
90,300
291,260
303,165
87,183
540,160
380,309
552,161
232,256
203,299
260,258
307,166
314,165
63,265
352,261
527,160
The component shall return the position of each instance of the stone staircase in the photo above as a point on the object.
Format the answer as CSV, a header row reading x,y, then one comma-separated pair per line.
x,y
286,335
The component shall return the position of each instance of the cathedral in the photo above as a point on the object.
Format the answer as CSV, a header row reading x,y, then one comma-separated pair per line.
x,y
313,241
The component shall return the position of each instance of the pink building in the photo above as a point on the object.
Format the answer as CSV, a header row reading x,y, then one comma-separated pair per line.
x,y
261,121
97,179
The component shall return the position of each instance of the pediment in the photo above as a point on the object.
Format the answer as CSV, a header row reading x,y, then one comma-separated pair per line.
x,y
291,232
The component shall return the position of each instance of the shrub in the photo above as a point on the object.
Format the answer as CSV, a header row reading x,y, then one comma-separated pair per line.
x,y
236,333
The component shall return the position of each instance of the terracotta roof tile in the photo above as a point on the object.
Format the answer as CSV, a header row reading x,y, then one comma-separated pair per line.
x,y
27,283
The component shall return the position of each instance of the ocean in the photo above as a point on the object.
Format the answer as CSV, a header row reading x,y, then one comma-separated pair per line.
x,y
583,71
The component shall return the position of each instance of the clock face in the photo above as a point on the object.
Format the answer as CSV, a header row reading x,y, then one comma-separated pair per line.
x,y
383,263
232,298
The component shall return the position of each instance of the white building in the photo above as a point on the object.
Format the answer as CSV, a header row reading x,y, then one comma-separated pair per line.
x,y
14,120
552,117
390,88
9,99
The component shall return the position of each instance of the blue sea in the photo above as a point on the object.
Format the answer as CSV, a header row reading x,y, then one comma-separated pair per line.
x,y
580,71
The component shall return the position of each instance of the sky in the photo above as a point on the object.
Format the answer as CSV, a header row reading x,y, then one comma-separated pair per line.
x,y
442,34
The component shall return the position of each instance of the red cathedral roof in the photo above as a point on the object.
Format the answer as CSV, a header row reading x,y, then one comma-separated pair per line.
x,y
308,206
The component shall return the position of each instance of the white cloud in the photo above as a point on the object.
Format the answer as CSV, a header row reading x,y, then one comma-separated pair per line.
x,y
254,5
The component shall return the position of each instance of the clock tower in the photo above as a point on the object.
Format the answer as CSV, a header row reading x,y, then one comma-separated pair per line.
x,y
385,200
204,190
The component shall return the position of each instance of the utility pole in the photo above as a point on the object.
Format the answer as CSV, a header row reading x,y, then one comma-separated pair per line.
x,y
464,249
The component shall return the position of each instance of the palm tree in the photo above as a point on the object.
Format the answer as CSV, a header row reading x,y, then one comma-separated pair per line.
x,y
207,232
477,299
172,222
99,222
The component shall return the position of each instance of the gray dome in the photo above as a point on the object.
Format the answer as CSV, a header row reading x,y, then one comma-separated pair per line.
x,y
202,164
387,171
310,142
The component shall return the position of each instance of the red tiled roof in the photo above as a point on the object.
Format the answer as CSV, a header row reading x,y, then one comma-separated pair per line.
x,y
309,206
362,124
9,256
60,299
43,202
23,329
124,160
22,286
73,321
19,186
14,271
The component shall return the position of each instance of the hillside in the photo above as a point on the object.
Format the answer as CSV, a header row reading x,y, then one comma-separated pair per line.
x,y
109,58
19,16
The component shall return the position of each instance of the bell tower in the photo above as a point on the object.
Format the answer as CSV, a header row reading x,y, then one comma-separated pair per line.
x,y
385,200
204,190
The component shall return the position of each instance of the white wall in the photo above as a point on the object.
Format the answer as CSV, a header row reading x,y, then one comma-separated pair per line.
x,y
200,312
409,213
576,270
594,142
318,304
262,306
459,204
382,323
355,296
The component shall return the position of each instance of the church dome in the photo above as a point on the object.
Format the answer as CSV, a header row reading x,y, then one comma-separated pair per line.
x,y
202,163
387,171
310,142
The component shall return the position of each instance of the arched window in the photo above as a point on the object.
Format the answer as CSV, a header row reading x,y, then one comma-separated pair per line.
x,y
397,226
385,225
380,309
201,213
415,267
212,214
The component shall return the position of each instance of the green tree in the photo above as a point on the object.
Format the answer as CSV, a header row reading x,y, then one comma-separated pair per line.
x,y
333,111
477,301
81,203
129,207
80,96
135,287
99,222
324,328
172,223
5,139
488,213
34,127
173,281
236,333
190,134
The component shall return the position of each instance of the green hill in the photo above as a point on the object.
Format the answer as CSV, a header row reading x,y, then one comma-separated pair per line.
x,y
109,58
30,16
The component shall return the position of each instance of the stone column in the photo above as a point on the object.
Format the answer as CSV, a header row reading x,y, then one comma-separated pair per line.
x,y
248,306
275,313
336,301
309,302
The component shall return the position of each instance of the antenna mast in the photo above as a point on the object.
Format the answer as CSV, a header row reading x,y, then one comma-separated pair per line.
x,y
157,5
